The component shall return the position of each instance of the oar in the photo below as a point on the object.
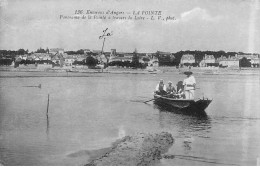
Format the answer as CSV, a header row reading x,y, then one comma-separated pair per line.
x,y
150,100
155,98
39,86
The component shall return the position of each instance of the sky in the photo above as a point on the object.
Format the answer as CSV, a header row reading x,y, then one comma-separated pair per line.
x,y
229,25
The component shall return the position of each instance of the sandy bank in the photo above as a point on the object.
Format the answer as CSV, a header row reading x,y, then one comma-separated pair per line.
x,y
140,149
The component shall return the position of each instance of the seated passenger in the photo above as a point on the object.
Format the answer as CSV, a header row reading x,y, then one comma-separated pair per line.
x,y
170,89
180,90
160,88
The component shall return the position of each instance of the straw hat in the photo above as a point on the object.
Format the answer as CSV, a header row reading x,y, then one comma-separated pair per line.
x,y
169,82
187,73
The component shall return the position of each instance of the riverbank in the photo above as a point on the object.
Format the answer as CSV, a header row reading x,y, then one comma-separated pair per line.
x,y
63,72
213,70
138,150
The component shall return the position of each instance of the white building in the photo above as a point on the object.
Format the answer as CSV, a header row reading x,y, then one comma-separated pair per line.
x,y
254,62
69,60
231,61
187,58
41,56
153,62
207,60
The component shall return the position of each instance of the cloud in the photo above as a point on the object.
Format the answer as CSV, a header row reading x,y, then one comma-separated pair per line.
x,y
198,13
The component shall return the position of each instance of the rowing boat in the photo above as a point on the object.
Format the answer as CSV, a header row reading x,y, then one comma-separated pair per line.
x,y
198,105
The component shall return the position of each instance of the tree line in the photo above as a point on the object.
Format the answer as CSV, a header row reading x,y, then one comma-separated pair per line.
x,y
13,53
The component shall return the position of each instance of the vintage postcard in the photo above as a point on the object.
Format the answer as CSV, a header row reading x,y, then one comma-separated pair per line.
x,y
129,82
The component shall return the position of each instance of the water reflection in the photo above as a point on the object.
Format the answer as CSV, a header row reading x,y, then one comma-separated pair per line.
x,y
187,145
121,131
47,125
165,108
183,122
187,129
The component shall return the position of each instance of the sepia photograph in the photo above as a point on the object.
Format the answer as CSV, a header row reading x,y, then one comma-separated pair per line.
x,y
129,83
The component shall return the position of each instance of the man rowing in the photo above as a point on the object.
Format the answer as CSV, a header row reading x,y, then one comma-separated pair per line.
x,y
189,86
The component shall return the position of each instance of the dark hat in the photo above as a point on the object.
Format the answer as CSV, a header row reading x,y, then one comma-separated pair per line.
x,y
180,83
188,73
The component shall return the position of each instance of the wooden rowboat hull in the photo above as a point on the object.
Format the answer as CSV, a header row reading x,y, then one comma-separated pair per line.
x,y
183,104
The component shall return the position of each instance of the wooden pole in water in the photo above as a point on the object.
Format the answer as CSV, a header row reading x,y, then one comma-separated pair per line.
x,y
48,104
47,115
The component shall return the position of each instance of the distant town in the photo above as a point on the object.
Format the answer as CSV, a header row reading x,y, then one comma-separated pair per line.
x,y
85,58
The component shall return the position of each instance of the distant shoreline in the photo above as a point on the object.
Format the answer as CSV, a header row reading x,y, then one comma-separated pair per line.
x,y
7,71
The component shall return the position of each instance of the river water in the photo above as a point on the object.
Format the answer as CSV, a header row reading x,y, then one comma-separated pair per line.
x,y
91,112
